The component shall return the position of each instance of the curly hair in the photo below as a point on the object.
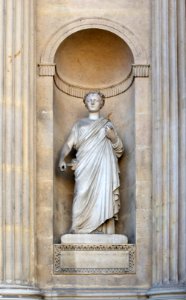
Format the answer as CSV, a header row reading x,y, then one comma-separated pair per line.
x,y
102,96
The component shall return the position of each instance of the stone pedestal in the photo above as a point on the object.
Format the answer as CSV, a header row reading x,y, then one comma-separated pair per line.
x,y
94,254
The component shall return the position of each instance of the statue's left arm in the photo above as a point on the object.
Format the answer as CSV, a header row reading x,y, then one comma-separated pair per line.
x,y
118,147
116,142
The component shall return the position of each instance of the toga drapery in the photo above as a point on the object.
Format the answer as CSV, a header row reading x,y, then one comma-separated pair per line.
x,y
96,194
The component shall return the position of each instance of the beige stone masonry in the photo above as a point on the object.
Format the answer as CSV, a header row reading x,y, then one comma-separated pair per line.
x,y
17,148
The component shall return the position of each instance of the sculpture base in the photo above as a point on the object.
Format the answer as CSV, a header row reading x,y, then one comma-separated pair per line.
x,y
101,239
94,254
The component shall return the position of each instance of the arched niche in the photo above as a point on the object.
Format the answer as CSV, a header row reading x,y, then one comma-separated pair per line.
x,y
97,59
49,52
49,141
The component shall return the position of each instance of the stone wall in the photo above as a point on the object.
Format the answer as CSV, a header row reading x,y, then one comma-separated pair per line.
x,y
31,33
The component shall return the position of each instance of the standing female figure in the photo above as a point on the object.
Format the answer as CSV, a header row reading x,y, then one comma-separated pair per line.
x,y
96,196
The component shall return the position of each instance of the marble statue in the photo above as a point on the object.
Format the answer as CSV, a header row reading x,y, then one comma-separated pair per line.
x,y
96,196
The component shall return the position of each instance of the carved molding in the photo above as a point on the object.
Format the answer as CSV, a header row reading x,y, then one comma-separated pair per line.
x,y
113,293
138,51
79,91
141,70
46,69
58,248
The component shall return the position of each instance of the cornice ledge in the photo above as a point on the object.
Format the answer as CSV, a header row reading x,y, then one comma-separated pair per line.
x,y
20,291
168,289
46,69
141,70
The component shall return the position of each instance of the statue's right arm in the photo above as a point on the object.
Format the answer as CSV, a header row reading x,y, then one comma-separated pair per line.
x,y
65,151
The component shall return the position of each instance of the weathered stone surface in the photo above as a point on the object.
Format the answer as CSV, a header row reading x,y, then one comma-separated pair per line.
x,y
17,147
94,259
160,254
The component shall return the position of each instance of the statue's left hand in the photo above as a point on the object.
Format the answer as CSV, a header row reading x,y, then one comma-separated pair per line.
x,y
110,133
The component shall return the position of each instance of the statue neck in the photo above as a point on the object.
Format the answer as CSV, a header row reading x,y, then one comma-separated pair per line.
x,y
94,115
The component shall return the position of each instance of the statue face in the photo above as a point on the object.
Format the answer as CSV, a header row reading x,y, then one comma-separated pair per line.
x,y
93,102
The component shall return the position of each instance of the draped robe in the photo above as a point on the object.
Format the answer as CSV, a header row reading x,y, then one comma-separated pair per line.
x,y
96,193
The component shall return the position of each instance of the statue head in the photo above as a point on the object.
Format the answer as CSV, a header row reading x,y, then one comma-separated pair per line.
x,y
94,101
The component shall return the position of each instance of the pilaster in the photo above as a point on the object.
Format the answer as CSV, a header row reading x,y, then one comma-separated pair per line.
x,y
17,149
169,149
